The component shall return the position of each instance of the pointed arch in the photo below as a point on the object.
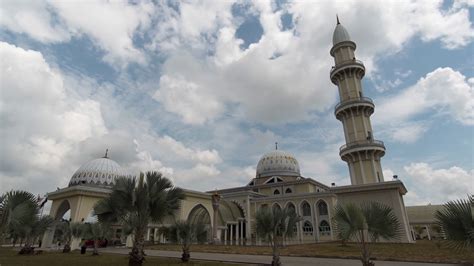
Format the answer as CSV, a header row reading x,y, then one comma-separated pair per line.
x,y
305,208
322,207
291,206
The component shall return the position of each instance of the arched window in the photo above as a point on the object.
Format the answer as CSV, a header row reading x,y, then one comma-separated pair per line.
x,y
276,192
291,207
276,207
288,190
324,228
307,228
306,209
322,208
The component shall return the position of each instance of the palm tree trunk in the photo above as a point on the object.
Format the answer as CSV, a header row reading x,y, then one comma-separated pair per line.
x,y
67,246
186,255
276,251
136,256
96,247
365,251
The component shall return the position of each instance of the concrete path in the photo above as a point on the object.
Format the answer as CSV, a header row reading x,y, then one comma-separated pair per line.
x,y
265,259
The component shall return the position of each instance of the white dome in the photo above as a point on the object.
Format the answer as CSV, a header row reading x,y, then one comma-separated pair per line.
x,y
98,172
340,35
278,162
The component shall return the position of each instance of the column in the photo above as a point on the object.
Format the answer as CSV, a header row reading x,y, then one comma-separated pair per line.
x,y
242,231
225,234
427,228
231,233
148,234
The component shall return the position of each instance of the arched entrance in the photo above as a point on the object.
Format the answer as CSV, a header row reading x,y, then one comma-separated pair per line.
x,y
199,214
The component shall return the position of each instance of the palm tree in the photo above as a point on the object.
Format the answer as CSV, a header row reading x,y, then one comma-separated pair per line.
x,y
66,231
186,233
96,231
134,203
457,221
274,226
20,218
366,223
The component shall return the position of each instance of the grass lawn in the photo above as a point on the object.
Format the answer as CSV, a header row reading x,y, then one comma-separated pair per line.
x,y
10,257
422,251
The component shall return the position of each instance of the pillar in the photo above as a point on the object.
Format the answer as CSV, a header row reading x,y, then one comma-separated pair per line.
x,y
225,235
427,228
215,206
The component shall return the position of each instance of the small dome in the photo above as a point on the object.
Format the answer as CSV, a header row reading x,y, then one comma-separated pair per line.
x,y
340,35
278,162
97,172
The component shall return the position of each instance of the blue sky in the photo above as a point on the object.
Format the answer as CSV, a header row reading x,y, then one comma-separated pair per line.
x,y
200,90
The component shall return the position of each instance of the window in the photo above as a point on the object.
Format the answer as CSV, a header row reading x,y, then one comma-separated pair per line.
x,y
306,209
276,207
273,179
288,191
324,228
323,208
291,207
307,228
276,192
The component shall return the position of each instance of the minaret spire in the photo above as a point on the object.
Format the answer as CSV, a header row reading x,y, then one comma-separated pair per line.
x,y
362,152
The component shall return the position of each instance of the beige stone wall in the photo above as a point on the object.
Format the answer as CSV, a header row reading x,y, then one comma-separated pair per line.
x,y
390,197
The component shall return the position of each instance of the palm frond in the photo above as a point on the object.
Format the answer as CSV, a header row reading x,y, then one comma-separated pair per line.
x,y
381,221
457,221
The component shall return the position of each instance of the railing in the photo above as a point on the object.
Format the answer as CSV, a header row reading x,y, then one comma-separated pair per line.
x,y
361,143
347,62
353,100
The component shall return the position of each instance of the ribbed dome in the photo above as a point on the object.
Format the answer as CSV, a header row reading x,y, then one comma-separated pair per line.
x,y
278,162
98,172
340,35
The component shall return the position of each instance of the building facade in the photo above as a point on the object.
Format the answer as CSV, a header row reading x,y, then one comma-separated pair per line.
x,y
230,213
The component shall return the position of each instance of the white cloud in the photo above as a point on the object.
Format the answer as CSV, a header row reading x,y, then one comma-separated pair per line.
x,y
283,77
32,18
187,99
442,92
439,185
110,25
40,121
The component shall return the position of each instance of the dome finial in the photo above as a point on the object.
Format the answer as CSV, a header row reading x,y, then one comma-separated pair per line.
x,y
106,151
276,145
337,18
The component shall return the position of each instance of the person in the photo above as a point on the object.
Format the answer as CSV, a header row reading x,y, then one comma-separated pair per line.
x,y
83,246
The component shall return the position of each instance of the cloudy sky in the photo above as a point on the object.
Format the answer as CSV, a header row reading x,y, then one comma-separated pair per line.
x,y
200,90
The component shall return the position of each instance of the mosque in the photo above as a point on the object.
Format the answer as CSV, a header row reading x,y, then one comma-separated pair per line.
x,y
230,213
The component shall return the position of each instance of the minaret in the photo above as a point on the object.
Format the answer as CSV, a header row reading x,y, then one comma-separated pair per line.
x,y
361,151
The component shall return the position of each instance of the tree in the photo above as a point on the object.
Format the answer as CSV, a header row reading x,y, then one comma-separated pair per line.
x,y
275,226
66,231
186,233
96,231
457,221
20,218
366,223
134,203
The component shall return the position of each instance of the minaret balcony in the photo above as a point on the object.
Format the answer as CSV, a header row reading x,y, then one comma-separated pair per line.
x,y
349,67
362,145
354,103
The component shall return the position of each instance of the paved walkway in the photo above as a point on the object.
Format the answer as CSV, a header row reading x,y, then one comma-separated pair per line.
x,y
265,259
